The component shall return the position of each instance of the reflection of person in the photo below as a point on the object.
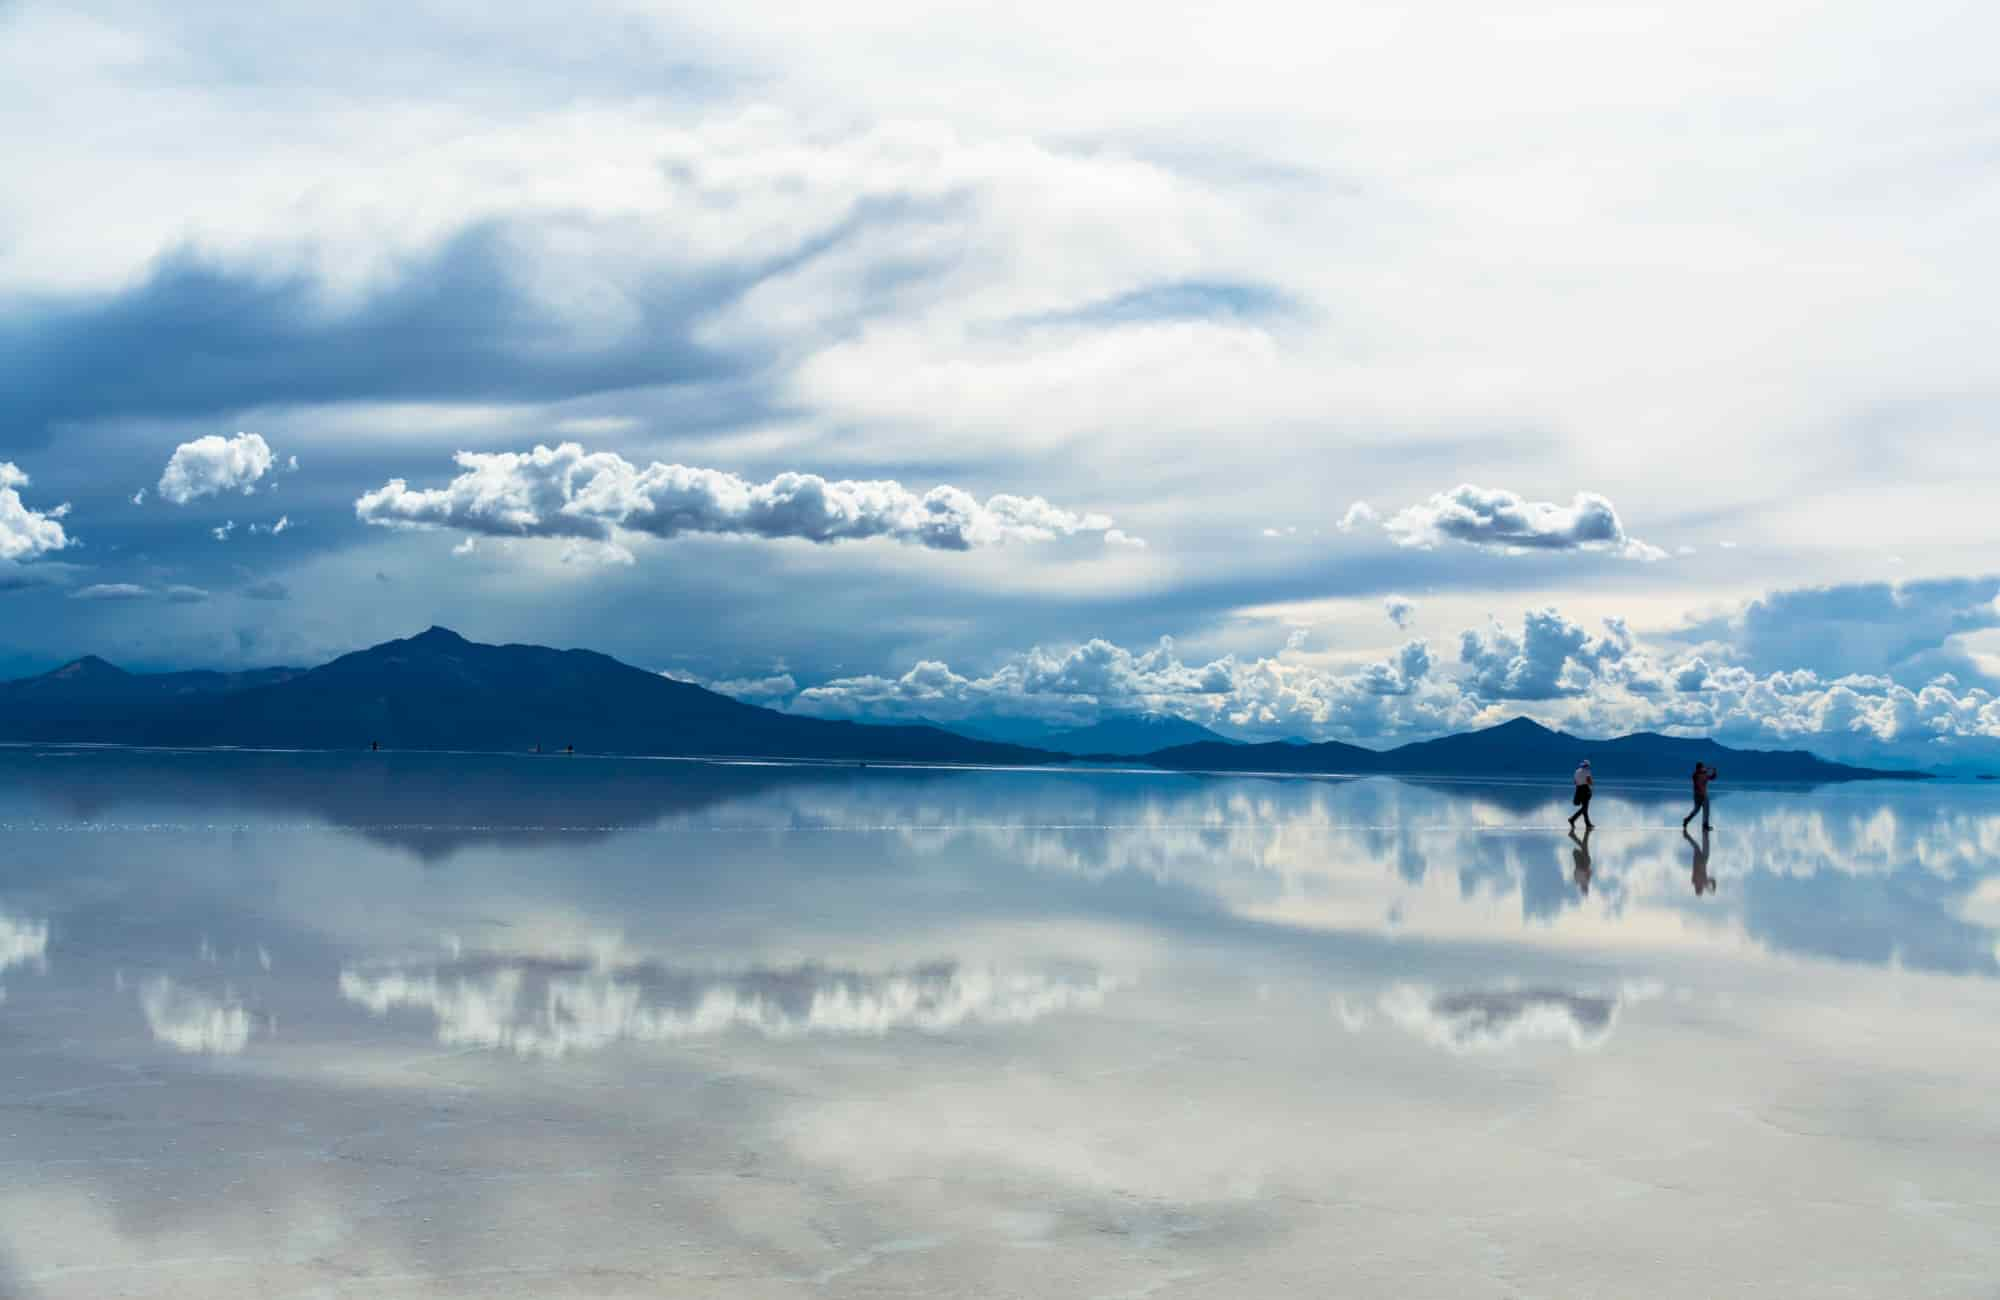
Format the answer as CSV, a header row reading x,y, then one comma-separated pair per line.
x,y
1703,774
1579,858
1703,882
1581,796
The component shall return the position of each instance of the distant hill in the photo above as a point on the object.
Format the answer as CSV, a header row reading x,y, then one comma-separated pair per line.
x,y
1521,747
1133,734
441,691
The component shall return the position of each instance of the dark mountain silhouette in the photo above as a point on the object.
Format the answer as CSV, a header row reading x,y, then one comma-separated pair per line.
x,y
1522,747
440,691
89,698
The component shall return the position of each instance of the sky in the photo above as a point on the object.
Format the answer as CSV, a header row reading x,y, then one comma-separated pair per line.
x,y
1357,372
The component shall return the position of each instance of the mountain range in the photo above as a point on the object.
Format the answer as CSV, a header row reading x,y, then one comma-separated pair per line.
x,y
439,691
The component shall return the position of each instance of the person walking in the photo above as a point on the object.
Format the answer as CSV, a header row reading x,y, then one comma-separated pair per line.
x,y
1703,774
1581,796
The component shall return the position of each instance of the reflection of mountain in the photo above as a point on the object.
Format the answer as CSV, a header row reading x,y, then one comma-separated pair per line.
x,y
430,804
554,1007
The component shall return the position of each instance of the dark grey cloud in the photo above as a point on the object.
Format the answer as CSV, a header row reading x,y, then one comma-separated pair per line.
x,y
1866,627
199,337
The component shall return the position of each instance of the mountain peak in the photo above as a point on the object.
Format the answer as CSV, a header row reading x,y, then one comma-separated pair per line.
x,y
441,637
1523,726
87,667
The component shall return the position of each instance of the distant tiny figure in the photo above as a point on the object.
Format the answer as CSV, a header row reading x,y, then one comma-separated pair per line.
x,y
1581,796
1703,774
1703,882
1579,858
374,746
569,749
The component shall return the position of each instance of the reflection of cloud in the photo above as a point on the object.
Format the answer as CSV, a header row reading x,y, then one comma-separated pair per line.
x,y
22,943
549,1008
191,1021
1497,1019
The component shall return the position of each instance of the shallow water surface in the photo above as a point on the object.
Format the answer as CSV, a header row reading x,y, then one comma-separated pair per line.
x,y
444,1025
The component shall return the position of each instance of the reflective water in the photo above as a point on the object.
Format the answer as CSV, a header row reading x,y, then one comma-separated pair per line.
x,y
401,1026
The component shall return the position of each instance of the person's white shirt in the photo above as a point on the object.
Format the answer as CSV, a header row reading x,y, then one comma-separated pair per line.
x,y
1583,774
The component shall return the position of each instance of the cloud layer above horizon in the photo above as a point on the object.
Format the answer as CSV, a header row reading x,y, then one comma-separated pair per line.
x,y
1563,346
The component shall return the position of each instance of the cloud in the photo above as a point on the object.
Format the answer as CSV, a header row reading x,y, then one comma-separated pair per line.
x,y
182,595
191,1021
25,533
1358,515
1400,609
23,943
1497,520
139,497
1077,685
222,530
111,591
1498,1019
566,492
552,1007
268,589
214,464
1551,657
283,524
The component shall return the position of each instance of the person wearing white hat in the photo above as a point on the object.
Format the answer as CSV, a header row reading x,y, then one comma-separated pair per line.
x,y
1581,798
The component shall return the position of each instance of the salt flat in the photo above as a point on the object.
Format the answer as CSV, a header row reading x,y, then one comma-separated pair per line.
x,y
415,1026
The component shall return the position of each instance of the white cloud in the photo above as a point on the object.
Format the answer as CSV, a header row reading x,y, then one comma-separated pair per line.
x,y
184,595
552,1008
23,943
111,591
192,1021
1076,685
1495,1020
139,497
1497,520
1358,515
221,531
25,533
1400,609
1551,657
284,523
214,464
566,492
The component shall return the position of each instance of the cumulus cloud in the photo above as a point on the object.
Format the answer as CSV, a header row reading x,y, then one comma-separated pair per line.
x,y
1551,657
111,591
188,1020
1505,522
550,1008
1497,1019
214,464
1358,515
566,492
1077,685
221,531
23,943
1400,609
25,533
